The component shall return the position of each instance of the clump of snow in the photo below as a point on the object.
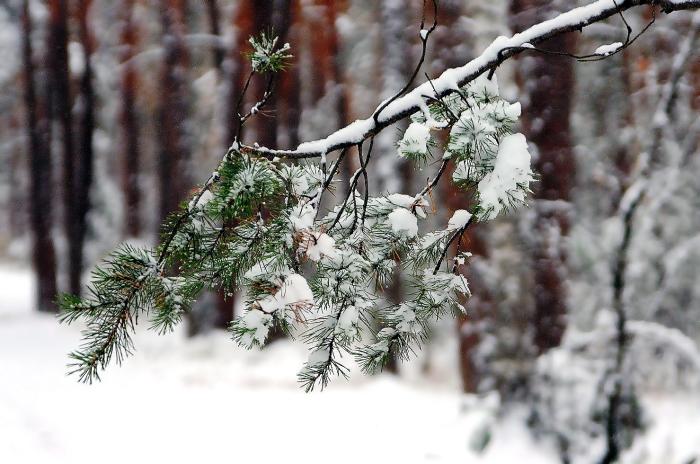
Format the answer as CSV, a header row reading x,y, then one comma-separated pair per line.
x,y
319,357
445,282
302,216
459,219
417,203
294,292
403,222
353,132
609,49
407,321
347,322
320,244
482,85
400,199
299,185
513,111
461,258
511,172
258,323
415,140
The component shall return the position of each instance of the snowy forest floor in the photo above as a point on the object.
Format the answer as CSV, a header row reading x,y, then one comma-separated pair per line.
x,y
204,400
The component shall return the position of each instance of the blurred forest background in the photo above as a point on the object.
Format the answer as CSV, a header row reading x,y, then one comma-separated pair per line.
x,y
112,111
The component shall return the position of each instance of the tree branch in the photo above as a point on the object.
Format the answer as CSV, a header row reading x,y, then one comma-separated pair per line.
x,y
449,81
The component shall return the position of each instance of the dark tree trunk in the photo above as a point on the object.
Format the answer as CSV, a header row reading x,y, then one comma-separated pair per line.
x,y
62,107
289,88
268,15
481,307
264,123
17,213
236,67
38,136
173,143
328,71
130,124
548,87
85,155
213,18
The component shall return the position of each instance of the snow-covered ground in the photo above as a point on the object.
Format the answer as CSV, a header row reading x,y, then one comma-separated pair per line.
x,y
204,400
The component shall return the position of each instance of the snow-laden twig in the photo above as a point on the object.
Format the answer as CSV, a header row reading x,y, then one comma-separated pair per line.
x,y
450,80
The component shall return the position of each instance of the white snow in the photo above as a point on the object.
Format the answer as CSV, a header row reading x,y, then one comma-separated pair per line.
x,y
293,292
259,269
302,216
415,139
401,199
609,49
320,245
260,323
180,400
459,219
319,356
513,111
485,86
403,222
511,169
347,322
408,323
300,185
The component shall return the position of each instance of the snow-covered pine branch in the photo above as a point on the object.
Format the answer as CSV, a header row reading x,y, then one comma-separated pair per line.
x,y
315,269
452,79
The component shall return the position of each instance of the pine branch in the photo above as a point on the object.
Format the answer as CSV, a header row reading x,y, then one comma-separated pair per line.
x,y
449,81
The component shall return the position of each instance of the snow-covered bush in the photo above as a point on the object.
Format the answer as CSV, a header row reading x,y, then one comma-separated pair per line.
x,y
573,384
571,389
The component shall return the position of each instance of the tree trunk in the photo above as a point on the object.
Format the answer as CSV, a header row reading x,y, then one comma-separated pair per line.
x,y
213,18
236,66
130,124
85,155
264,124
17,213
173,143
62,109
289,88
547,84
38,136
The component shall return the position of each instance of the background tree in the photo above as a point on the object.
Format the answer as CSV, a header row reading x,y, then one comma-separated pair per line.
x,y
173,135
38,137
129,119
86,128
548,86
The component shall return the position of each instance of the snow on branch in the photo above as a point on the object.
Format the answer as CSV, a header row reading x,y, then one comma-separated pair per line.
x,y
452,79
